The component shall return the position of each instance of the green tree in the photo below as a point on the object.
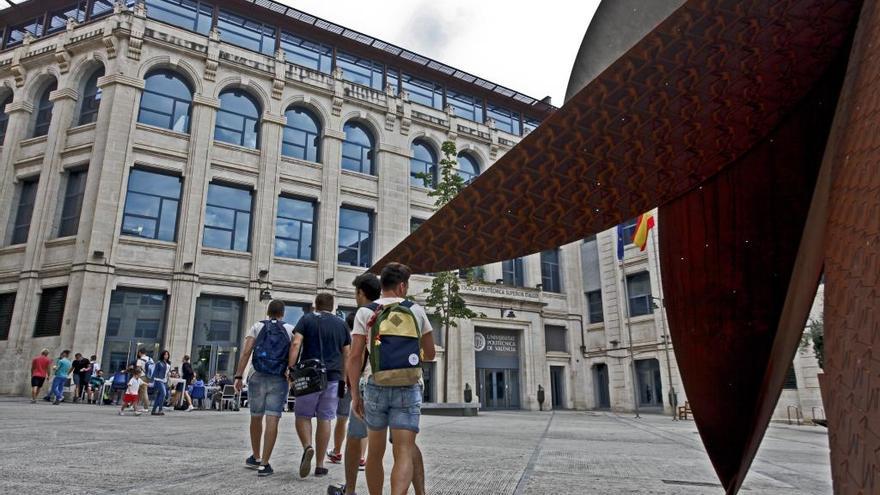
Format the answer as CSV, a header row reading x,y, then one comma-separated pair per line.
x,y
444,299
815,333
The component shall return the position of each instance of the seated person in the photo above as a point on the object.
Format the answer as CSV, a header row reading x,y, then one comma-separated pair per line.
x,y
96,383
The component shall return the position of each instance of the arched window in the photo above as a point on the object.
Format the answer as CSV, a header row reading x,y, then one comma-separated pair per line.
x,y
423,162
44,111
357,149
238,119
467,167
4,118
167,101
91,99
302,135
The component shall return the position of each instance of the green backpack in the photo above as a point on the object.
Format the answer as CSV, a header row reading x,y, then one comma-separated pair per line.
x,y
395,345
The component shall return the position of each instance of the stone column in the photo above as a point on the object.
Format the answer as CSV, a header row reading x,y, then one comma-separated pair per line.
x,y
265,204
185,280
328,210
392,224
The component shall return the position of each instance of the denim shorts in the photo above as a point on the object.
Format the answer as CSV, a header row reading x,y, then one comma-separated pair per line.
x,y
398,408
267,394
321,405
344,406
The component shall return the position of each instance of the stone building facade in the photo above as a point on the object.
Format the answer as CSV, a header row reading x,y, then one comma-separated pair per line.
x,y
165,171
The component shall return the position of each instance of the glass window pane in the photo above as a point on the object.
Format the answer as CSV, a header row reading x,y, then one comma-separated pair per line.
x,y
300,51
242,231
168,221
360,70
151,205
139,226
219,239
142,204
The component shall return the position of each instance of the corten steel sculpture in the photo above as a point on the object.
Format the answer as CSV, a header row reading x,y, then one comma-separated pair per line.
x,y
754,126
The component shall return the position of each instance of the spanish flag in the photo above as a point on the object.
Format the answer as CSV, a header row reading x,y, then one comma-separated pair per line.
x,y
643,225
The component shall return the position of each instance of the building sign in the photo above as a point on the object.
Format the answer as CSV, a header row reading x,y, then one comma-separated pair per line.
x,y
500,290
496,348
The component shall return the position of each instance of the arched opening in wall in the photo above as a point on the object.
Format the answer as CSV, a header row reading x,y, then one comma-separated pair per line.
x,y
43,109
358,148
302,135
423,164
5,99
90,97
238,119
468,166
166,101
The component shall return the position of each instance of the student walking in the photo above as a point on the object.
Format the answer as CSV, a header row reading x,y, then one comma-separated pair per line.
x,y
187,373
63,368
366,290
267,344
82,371
160,382
132,392
39,373
321,336
147,366
392,394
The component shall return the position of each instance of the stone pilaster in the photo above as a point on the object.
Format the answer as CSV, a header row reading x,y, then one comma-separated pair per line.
x,y
328,221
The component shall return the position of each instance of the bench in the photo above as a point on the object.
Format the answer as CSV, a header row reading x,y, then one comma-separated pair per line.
x,y
684,410
451,408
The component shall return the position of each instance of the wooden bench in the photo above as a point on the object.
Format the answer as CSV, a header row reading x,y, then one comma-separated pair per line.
x,y
684,410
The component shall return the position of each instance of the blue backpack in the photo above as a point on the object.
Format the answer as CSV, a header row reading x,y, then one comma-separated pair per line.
x,y
272,349
119,381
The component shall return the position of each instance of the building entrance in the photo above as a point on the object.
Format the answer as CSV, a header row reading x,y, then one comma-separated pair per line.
x,y
497,362
136,320
557,387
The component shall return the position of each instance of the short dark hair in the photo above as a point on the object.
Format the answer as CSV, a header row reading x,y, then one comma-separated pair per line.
x,y
368,283
65,351
324,302
142,351
275,309
94,357
393,274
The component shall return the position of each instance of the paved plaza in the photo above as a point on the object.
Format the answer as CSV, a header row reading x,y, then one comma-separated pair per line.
x,y
76,448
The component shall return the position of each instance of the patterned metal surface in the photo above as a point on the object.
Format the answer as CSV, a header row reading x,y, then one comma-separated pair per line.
x,y
851,385
686,101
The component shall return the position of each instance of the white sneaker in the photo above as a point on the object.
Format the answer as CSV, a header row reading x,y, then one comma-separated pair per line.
x,y
138,413
121,413
191,408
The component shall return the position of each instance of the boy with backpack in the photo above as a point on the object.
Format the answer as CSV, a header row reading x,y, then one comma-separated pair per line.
x,y
397,333
146,364
268,341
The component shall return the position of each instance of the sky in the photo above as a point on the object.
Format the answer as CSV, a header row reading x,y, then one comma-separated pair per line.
x,y
527,46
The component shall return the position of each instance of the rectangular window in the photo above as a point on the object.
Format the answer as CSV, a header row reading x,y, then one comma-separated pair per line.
x,y
73,196
7,304
294,311
228,217
58,19
151,205
594,306
246,33
512,271
360,70
105,7
305,53
294,228
414,224
422,91
505,120
27,196
355,237
530,124
629,230
639,288
555,338
550,271
51,312
15,34
392,79
465,106
193,15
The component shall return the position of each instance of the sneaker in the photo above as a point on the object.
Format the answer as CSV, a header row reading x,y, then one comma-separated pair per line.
x,y
191,408
56,402
336,490
321,471
362,464
265,470
33,401
252,462
121,413
138,413
334,457
305,464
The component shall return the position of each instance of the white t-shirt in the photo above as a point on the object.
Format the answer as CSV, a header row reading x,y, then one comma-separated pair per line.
x,y
363,315
133,385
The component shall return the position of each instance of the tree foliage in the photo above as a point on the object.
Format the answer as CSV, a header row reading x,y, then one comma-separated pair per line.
x,y
815,334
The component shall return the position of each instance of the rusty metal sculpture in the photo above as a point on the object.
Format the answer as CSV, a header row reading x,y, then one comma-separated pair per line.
x,y
752,124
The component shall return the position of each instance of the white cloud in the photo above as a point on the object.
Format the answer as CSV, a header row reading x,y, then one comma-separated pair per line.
x,y
526,46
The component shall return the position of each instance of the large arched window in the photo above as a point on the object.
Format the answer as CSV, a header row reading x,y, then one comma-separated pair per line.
x,y
423,163
167,101
468,168
44,111
238,119
4,118
302,135
91,99
357,149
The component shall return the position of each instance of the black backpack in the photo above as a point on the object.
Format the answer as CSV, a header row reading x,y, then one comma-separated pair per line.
x,y
272,348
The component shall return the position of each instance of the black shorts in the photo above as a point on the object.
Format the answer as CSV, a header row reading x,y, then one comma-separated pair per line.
x,y
37,381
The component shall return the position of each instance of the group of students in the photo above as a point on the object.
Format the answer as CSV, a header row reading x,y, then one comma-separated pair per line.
x,y
130,384
372,367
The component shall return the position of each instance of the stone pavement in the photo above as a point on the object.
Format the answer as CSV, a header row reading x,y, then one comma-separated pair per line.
x,y
74,448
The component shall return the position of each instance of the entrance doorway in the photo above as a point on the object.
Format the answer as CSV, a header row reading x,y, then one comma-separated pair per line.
x,y
648,382
600,386
135,320
557,387
498,388
216,335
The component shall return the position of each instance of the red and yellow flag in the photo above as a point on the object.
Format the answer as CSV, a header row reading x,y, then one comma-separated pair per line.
x,y
643,225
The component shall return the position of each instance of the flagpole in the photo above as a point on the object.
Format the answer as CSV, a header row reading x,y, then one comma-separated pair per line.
x,y
632,359
673,397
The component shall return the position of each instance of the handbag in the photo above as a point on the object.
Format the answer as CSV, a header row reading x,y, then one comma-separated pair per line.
x,y
310,375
